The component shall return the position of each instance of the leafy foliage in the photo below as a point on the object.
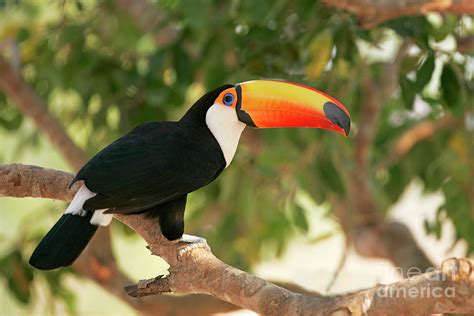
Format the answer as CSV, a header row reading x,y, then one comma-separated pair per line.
x,y
102,74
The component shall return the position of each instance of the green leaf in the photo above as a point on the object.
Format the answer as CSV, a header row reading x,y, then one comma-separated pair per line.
x,y
408,88
450,87
425,71
411,26
299,218
10,118
23,34
433,227
319,52
79,5
408,64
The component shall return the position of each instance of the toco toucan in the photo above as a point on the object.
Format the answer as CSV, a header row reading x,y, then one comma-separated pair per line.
x,y
153,168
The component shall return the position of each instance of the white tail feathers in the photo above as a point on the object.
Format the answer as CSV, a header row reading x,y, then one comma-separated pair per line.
x,y
76,207
99,218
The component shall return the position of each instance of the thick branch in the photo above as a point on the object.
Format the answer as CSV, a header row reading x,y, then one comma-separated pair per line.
x,y
199,271
97,263
373,12
448,289
33,107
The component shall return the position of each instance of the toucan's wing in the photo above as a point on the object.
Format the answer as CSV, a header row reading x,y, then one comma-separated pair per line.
x,y
145,168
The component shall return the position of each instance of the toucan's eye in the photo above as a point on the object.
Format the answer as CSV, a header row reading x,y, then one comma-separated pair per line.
x,y
228,99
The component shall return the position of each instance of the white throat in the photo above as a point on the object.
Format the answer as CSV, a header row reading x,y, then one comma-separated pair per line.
x,y
223,123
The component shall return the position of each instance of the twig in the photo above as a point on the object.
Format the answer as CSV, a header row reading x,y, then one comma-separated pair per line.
x,y
419,132
340,265
158,285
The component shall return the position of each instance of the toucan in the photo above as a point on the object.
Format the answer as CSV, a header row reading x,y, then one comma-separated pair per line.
x,y
153,168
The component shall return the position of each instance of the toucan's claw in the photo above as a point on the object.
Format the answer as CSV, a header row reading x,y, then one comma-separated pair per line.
x,y
190,242
190,239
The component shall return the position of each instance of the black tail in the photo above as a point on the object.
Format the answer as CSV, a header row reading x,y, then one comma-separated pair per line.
x,y
64,242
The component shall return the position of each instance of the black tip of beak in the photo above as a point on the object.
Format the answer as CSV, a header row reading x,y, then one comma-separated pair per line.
x,y
338,116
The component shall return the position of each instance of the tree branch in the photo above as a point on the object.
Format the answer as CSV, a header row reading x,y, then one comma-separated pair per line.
x,y
419,132
17,180
373,12
199,271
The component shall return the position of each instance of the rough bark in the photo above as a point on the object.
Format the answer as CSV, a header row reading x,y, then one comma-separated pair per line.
x,y
98,262
448,289
373,12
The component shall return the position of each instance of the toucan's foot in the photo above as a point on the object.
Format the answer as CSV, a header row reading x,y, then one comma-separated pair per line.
x,y
190,242
190,239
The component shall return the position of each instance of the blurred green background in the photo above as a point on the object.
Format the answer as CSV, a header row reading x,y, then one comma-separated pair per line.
x,y
103,67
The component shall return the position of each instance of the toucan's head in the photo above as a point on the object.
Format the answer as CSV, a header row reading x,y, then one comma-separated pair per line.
x,y
276,103
269,104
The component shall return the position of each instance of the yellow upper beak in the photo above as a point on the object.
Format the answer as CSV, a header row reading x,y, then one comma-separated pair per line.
x,y
274,103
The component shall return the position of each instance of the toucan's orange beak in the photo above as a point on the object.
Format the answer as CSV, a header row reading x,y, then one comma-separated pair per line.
x,y
274,103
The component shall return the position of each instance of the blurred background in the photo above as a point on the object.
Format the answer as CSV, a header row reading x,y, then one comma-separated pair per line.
x,y
300,206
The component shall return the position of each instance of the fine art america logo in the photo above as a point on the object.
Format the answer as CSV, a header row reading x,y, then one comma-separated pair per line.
x,y
430,287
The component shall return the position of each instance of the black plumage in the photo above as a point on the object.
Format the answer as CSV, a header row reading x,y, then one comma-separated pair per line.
x,y
64,242
171,217
155,163
152,169
149,170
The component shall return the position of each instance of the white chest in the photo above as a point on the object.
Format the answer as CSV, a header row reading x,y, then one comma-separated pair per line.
x,y
223,123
